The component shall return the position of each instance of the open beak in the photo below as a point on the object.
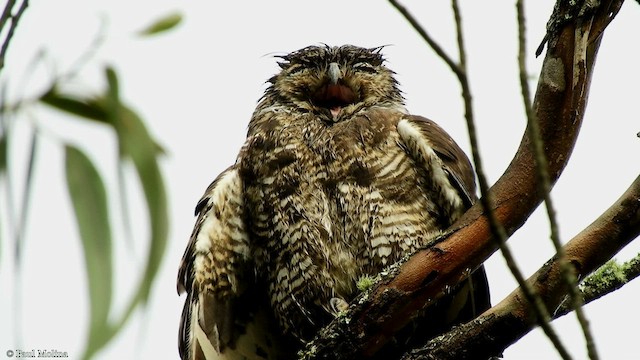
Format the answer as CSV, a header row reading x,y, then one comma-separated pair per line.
x,y
334,95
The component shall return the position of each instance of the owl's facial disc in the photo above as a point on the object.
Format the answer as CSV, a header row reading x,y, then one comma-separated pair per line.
x,y
334,97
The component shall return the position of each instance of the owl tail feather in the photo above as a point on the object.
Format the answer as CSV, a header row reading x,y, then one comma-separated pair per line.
x,y
256,340
194,342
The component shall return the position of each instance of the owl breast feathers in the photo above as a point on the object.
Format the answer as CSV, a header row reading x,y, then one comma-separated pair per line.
x,y
335,182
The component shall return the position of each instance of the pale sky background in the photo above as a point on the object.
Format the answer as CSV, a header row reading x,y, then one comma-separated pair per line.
x,y
197,86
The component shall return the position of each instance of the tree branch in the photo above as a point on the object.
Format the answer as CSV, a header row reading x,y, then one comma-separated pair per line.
x,y
607,279
513,317
545,188
425,36
460,70
6,15
419,281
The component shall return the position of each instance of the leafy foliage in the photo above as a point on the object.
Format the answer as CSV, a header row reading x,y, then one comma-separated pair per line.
x,y
163,24
89,199
136,146
87,191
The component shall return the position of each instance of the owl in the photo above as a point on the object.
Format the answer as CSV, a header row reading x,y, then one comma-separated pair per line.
x,y
335,182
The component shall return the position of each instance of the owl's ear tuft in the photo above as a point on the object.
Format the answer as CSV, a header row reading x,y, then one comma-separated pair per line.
x,y
378,49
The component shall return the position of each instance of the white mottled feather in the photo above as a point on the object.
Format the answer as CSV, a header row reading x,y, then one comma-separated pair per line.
x,y
335,181
421,148
213,273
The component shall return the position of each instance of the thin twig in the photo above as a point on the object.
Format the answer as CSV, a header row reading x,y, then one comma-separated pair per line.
x,y
486,199
505,323
544,185
26,198
12,28
19,229
522,57
418,281
426,37
6,13
87,55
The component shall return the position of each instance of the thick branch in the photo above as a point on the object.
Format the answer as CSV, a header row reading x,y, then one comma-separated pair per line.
x,y
545,188
560,102
513,317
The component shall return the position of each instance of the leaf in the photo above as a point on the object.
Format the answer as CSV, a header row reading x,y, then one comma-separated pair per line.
x,y
89,199
86,108
163,24
137,146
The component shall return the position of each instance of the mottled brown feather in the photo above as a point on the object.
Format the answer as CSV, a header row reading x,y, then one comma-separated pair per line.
x,y
454,159
334,182
217,273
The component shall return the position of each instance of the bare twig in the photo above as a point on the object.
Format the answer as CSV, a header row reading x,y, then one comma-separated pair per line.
x,y
509,320
418,282
541,162
88,53
19,227
6,13
460,71
426,37
14,23
26,197
487,199
545,186
522,60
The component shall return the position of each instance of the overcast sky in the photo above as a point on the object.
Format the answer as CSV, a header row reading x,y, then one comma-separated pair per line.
x,y
197,86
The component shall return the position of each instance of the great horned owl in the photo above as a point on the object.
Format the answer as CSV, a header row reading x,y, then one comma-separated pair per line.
x,y
335,181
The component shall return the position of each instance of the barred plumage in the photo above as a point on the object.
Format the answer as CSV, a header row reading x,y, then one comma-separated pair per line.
x,y
335,181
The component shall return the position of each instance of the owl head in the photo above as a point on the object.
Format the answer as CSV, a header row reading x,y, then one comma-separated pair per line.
x,y
334,82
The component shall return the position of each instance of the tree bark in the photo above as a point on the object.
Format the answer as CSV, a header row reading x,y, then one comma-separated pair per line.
x,y
560,102
513,317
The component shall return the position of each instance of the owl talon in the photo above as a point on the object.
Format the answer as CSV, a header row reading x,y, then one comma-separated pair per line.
x,y
338,305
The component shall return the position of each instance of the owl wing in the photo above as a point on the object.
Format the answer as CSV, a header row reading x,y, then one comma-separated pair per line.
x,y
434,149
219,321
453,178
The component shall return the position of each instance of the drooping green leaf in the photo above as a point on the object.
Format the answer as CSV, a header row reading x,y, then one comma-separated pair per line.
x,y
89,199
138,147
113,106
86,108
163,24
